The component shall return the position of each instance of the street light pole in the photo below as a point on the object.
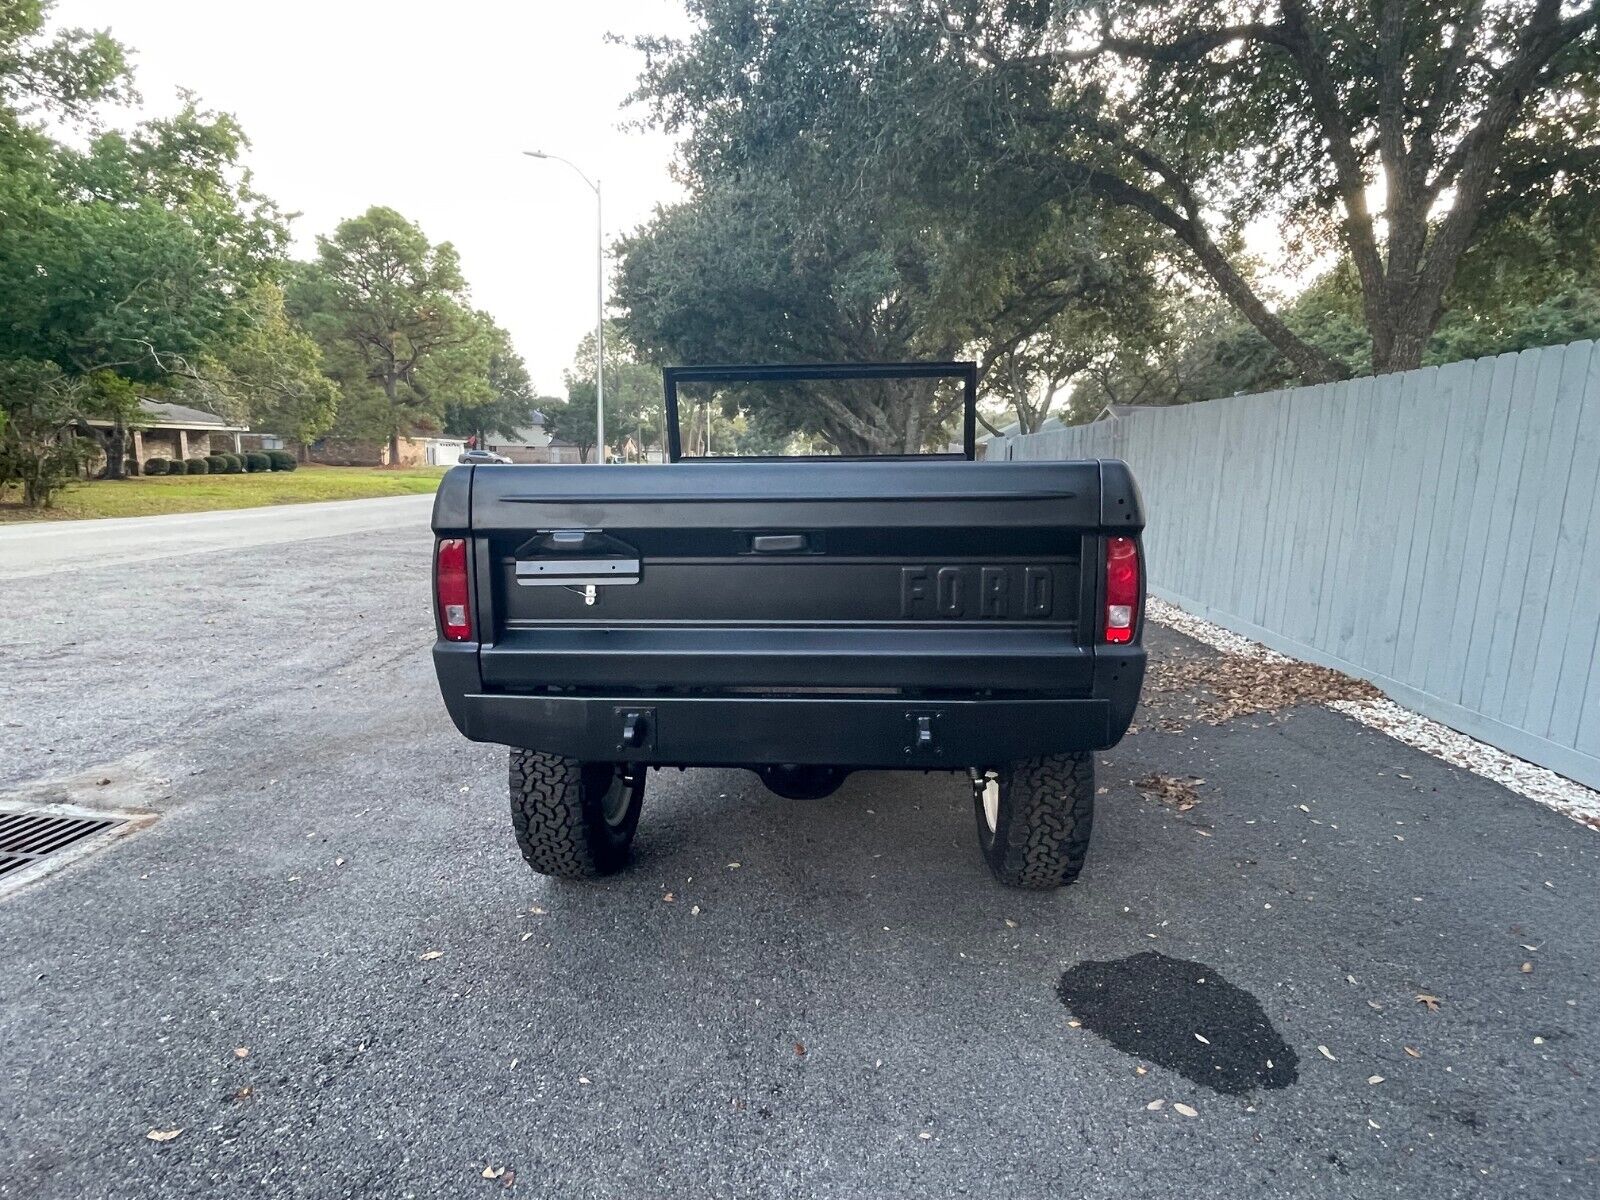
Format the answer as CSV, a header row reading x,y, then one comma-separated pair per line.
x,y
599,300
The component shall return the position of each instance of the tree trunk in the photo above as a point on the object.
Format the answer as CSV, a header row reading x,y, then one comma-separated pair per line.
x,y
390,391
117,450
1404,348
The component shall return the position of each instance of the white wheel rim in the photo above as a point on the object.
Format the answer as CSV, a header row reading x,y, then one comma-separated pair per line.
x,y
989,790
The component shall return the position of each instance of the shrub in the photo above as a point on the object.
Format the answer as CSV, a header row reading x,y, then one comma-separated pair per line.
x,y
130,467
282,460
198,466
155,466
256,461
216,464
235,463
177,467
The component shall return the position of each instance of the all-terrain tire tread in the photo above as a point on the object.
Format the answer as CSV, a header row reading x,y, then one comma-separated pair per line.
x,y
547,815
1043,839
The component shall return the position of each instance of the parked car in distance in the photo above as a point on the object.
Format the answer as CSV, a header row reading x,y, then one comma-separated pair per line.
x,y
482,458
805,616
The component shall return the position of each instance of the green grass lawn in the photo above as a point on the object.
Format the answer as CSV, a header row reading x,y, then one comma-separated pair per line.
x,y
202,493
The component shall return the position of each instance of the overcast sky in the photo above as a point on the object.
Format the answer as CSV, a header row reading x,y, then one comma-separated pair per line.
x,y
425,106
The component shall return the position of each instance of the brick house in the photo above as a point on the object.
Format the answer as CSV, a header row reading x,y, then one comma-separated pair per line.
x,y
178,431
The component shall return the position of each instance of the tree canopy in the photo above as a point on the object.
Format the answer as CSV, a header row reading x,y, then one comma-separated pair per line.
x,y
1398,139
140,262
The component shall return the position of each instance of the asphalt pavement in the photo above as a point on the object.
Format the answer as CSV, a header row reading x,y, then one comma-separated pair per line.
x,y
324,963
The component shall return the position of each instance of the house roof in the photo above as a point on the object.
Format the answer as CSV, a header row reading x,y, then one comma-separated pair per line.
x,y
181,415
159,415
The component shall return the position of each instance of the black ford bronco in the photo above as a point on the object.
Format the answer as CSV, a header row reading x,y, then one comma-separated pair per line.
x,y
804,617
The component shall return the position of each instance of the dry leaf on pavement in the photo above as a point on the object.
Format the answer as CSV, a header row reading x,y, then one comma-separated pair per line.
x,y
1174,791
1154,1105
163,1135
1431,1003
430,956
1185,1110
1326,1053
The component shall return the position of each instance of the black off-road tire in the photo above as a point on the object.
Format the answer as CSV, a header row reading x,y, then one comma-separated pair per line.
x,y
561,816
1042,820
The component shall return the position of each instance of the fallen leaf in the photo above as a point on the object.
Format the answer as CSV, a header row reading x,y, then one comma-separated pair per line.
x,y
1374,1079
1185,1110
1202,1038
1175,791
537,911
163,1135
1413,1052
1140,1071
431,955
800,1049
1154,1106
1527,968
493,1172
241,1052
1074,1024
527,935
695,911
1538,1041
1326,1053
733,866
925,1135
338,862
669,898
1010,924
583,1079
1431,1003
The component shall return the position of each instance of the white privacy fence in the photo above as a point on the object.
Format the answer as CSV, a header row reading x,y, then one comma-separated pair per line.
x,y
1436,532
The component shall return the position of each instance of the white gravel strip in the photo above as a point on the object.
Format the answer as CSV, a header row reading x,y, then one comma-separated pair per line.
x,y
1202,630
1537,783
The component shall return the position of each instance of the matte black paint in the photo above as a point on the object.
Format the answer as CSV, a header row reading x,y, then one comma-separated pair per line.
x,y
773,597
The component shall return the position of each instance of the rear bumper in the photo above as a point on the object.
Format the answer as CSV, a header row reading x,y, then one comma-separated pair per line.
x,y
753,730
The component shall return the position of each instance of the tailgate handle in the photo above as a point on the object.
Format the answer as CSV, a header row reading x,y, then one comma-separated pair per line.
x,y
778,543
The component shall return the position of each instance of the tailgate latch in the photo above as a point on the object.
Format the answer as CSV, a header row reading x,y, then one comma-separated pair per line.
x,y
923,733
582,560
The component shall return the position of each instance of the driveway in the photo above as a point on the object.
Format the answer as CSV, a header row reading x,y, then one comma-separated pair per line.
x,y
324,963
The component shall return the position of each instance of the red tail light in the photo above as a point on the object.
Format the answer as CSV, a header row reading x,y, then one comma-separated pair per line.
x,y
450,590
1122,588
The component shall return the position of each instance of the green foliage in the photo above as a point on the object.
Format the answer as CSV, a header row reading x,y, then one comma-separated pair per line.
x,y
37,450
282,460
634,404
256,461
1193,119
156,466
216,464
197,466
506,405
389,310
177,467
267,373
59,76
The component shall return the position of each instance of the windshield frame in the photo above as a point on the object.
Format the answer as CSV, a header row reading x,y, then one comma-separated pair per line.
x,y
967,372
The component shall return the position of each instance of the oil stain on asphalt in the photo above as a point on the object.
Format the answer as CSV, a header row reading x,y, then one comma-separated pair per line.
x,y
1182,1016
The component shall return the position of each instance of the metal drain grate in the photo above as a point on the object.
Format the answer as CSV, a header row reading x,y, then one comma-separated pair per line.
x,y
26,837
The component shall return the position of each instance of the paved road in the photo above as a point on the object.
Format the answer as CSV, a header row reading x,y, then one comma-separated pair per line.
x,y
322,828
48,547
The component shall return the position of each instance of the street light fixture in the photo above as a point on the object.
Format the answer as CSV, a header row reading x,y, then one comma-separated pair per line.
x,y
599,301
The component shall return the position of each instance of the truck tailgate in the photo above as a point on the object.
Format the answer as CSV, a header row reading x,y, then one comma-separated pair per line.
x,y
929,577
